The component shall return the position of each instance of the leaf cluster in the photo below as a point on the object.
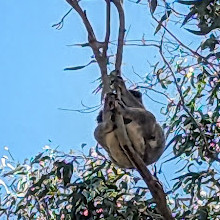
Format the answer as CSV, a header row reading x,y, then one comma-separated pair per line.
x,y
207,13
55,185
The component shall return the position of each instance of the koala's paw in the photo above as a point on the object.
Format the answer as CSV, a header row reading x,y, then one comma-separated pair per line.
x,y
110,101
118,82
120,107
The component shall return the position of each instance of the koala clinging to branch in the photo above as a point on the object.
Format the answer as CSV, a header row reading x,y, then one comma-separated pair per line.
x,y
105,132
144,132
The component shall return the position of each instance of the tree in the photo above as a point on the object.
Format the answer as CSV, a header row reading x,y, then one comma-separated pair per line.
x,y
60,187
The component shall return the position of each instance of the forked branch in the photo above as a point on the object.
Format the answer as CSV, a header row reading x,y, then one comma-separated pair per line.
x,y
75,5
96,46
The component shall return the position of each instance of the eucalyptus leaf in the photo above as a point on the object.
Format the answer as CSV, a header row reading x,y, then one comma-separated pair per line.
x,y
153,5
196,2
164,18
79,67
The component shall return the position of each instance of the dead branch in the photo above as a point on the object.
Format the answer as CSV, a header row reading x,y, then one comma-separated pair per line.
x,y
121,34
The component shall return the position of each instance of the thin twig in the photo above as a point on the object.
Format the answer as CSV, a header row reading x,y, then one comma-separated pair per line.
x,y
154,100
154,90
91,110
171,34
59,25
135,2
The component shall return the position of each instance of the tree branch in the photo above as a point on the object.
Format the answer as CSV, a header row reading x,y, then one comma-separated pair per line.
x,y
95,45
108,19
154,186
118,5
75,5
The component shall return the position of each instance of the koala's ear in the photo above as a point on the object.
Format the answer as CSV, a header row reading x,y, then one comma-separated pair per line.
x,y
135,93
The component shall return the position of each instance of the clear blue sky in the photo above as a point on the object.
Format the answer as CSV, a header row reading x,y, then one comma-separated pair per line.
x,y
33,84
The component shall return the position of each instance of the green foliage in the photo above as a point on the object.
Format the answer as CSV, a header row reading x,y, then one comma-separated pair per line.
x,y
56,185
189,79
207,13
211,43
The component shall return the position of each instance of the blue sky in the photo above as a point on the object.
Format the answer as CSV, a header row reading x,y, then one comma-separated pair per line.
x,y
33,84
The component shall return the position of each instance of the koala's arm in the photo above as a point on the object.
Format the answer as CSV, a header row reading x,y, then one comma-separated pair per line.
x,y
102,130
105,135
142,117
106,126
126,97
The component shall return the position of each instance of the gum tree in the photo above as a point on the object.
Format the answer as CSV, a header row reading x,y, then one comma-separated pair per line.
x,y
56,185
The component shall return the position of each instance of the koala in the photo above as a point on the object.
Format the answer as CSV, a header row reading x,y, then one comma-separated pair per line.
x,y
145,134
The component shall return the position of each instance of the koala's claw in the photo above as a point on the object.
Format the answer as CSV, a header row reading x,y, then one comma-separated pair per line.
x,y
120,107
